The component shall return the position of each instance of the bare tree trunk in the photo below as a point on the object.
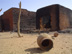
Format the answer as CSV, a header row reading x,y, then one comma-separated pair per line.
x,y
19,20
0,10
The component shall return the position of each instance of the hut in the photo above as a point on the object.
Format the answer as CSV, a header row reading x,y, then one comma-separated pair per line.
x,y
55,17
10,19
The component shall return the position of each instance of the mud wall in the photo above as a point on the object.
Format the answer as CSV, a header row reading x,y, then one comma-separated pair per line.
x,y
28,19
10,19
7,20
65,17
52,12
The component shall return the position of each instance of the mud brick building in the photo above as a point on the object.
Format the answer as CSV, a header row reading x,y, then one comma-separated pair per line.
x,y
55,17
10,19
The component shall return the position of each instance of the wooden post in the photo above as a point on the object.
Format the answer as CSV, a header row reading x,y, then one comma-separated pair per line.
x,y
19,20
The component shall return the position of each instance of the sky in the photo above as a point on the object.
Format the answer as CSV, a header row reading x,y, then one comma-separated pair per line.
x,y
32,5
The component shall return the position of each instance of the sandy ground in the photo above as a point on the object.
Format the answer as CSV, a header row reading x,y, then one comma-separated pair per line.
x,y
11,44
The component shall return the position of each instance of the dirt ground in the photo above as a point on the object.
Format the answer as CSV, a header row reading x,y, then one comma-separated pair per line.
x,y
11,44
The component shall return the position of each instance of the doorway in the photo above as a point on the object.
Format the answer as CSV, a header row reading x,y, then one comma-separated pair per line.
x,y
45,22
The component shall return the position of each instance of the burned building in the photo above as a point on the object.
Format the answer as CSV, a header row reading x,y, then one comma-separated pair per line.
x,y
10,19
56,17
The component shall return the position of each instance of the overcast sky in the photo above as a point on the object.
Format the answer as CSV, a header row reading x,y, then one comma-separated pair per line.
x,y
32,5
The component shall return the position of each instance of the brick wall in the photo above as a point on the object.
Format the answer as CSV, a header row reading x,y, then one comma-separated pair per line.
x,y
65,17
8,20
52,13
61,17
27,21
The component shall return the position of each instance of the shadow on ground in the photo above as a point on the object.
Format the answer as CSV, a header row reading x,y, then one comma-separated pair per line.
x,y
34,50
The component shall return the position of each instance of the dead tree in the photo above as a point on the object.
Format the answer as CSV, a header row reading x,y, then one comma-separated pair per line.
x,y
19,20
0,9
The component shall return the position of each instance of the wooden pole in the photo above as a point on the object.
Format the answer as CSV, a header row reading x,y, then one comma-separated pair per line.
x,y
19,20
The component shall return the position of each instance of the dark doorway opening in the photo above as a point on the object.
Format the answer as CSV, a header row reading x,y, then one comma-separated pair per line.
x,y
45,22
